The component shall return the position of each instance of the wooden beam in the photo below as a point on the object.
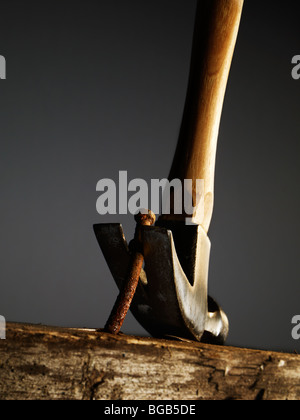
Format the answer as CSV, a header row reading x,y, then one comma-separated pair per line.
x,y
38,362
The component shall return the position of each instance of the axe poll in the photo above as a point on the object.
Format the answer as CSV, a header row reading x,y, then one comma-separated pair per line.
x,y
171,296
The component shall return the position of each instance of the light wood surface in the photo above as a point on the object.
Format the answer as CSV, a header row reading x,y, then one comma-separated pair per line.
x,y
216,30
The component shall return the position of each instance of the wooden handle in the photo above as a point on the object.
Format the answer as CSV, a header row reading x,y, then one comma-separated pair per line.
x,y
216,29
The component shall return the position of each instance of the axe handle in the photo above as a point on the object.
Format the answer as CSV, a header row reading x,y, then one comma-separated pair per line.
x,y
216,30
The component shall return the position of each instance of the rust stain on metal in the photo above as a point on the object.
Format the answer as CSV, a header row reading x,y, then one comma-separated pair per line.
x,y
124,300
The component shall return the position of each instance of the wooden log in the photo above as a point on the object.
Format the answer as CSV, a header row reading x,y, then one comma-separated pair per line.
x,y
38,362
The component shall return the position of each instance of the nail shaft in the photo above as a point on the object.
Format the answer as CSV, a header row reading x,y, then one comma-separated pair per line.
x,y
124,300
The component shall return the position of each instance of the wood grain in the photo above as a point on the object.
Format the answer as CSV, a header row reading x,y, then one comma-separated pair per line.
x,y
38,362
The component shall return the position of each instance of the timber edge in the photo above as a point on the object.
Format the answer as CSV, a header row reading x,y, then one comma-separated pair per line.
x,y
52,363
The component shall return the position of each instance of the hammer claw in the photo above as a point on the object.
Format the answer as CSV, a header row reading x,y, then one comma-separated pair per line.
x,y
166,302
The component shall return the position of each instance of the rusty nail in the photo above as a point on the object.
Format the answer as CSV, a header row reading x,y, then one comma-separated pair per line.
x,y
123,302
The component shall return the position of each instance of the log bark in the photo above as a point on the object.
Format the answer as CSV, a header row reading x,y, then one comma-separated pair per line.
x,y
45,363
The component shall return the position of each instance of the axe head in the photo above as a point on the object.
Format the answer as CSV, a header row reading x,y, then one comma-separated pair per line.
x,y
171,298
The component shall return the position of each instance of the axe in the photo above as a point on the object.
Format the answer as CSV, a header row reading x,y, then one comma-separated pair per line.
x,y
163,275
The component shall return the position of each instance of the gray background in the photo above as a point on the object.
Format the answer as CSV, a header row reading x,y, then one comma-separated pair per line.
x,y
94,87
